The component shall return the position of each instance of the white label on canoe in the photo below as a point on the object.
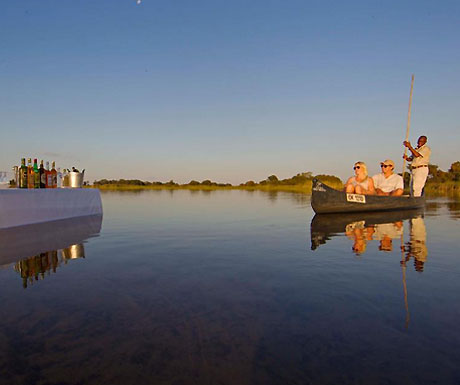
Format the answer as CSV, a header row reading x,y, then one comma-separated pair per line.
x,y
356,198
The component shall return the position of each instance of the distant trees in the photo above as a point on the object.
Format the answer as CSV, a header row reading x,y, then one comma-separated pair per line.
x,y
299,179
436,175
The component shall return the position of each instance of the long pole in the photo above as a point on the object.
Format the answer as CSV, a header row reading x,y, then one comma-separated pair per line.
x,y
408,125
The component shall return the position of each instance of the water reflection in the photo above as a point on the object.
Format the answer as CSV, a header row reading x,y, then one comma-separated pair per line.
x,y
416,247
387,228
39,249
37,267
384,227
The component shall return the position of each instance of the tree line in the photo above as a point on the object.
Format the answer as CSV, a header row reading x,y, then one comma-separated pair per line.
x,y
272,180
436,175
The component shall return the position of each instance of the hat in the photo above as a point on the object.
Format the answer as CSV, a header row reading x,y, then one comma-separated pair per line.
x,y
388,162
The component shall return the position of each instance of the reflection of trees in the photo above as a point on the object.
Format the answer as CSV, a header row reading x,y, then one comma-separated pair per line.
x,y
454,208
34,268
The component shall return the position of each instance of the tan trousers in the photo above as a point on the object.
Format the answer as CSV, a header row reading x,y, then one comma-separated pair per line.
x,y
419,176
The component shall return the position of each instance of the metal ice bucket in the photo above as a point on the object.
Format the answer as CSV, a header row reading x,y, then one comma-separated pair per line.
x,y
73,179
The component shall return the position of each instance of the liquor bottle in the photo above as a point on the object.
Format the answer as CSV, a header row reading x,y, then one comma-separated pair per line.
x,y
16,176
59,178
42,175
23,174
49,178
53,175
36,175
30,174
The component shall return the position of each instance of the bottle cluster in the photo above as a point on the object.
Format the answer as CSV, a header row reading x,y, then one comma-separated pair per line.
x,y
33,176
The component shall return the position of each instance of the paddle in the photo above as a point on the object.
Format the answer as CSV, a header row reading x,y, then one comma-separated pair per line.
x,y
408,126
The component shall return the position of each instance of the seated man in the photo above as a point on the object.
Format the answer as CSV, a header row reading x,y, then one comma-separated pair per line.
x,y
387,182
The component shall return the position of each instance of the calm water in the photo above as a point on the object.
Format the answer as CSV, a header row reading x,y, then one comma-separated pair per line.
x,y
188,287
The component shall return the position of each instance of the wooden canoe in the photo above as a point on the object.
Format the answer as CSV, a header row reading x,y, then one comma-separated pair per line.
x,y
325,199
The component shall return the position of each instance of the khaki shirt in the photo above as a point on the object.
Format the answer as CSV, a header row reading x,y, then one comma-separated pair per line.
x,y
424,159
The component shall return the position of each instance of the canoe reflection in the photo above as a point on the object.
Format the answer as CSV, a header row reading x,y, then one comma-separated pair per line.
x,y
385,227
382,227
40,249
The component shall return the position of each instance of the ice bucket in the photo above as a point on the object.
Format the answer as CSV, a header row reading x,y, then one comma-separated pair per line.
x,y
73,179
74,251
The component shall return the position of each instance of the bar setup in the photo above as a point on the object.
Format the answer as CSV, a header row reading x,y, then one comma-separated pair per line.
x,y
39,194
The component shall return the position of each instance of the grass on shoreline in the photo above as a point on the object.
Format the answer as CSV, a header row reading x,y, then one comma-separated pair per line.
x,y
300,188
431,189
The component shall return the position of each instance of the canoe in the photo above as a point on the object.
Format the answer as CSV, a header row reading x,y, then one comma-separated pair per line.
x,y
325,199
323,227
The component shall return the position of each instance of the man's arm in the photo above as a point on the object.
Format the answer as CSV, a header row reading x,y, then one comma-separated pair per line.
x,y
412,150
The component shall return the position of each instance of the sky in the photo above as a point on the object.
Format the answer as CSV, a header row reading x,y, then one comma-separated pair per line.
x,y
226,90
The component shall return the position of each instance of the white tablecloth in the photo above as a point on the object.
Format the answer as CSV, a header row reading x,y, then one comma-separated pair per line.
x,y
20,207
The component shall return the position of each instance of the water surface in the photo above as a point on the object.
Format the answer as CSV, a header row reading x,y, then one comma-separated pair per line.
x,y
223,287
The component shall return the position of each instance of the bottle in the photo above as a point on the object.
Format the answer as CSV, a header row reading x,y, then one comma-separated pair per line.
x,y
65,178
59,178
30,174
16,176
42,175
53,175
36,175
23,174
49,178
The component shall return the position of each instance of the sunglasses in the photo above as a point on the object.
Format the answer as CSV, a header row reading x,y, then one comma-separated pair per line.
x,y
356,167
385,165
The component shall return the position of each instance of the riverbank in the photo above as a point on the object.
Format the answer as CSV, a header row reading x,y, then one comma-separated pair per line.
x,y
304,188
431,189
449,188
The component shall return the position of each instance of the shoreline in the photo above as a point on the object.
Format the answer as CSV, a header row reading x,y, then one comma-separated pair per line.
x,y
432,189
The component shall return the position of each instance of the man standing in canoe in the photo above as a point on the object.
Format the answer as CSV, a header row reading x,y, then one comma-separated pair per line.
x,y
387,182
420,159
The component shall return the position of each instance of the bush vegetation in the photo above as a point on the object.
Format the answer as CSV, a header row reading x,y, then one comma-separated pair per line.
x,y
299,183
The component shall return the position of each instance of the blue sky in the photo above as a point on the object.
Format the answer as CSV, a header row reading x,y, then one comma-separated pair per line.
x,y
226,90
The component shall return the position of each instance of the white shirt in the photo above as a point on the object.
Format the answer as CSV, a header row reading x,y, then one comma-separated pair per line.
x,y
389,230
424,159
393,182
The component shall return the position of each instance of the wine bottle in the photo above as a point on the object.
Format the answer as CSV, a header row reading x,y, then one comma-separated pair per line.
x,y
53,175
30,174
49,178
42,175
36,175
23,174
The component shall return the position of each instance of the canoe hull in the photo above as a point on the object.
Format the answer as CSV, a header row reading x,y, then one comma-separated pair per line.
x,y
326,200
